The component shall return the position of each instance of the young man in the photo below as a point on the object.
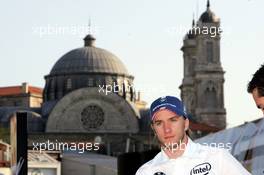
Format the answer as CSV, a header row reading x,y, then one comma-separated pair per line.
x,y
179,154
256,88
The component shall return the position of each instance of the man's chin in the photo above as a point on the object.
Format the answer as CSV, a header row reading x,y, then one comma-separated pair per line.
x,y
170,144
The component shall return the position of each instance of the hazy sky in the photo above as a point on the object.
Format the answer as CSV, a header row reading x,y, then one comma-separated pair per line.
x,y
145,34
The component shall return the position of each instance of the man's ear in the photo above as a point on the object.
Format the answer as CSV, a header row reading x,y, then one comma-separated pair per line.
x,y
186,124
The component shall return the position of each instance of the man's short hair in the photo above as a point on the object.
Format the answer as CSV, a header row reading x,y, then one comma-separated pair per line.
x,y
257,81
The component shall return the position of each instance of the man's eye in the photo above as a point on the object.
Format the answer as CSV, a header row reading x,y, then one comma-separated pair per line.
x,y
157,123
174,119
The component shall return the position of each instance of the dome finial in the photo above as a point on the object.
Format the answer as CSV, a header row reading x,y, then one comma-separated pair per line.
x,y
89,25
193,21
208,4
89,39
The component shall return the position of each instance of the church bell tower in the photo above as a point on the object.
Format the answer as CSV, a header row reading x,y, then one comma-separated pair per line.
x,y
202,88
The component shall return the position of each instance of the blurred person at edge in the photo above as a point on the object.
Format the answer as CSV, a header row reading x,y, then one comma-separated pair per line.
x,y
179,154
256,88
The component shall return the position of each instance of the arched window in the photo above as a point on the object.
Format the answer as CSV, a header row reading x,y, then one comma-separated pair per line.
x,y
68,84
51,89
210,52
90,82
210,96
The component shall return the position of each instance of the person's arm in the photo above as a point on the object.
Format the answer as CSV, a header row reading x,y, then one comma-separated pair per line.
x,y
231,166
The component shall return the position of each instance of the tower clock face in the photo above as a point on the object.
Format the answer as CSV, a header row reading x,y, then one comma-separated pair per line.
x,y
92,117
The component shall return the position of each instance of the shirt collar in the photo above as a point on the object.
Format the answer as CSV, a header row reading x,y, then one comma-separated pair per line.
x,y
189,151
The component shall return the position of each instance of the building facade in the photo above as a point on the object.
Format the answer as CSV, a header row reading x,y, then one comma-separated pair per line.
x,y
23,96
202,88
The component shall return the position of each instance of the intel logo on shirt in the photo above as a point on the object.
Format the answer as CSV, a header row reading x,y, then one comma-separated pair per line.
x,y
159,173
201,169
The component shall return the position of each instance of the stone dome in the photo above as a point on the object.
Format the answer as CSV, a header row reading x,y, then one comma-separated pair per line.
x,y
89,59
208,16
88,66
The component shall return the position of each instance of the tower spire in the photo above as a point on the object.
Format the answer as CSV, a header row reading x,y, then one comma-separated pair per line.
x,y
197,10
208,4
193,21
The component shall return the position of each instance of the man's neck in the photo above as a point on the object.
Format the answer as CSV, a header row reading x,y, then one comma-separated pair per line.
x,y
178,150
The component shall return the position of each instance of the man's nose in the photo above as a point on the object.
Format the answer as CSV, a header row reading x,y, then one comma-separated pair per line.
x,y
167,127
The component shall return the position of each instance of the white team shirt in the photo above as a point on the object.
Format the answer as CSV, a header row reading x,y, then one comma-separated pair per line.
x,y
196,160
